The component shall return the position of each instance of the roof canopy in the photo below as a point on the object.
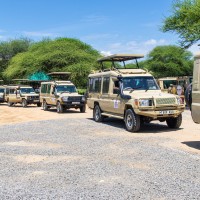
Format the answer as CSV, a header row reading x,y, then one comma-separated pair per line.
x,y
120,57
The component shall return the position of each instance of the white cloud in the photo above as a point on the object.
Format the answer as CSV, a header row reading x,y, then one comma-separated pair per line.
x,y
38,34
143,47
195,49
98,36
153,42
97,19
106,53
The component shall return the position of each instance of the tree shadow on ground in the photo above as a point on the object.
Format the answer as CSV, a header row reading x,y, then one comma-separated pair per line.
x,y
193,144
153,127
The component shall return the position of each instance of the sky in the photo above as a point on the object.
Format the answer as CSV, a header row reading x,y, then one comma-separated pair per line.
x,y
109,26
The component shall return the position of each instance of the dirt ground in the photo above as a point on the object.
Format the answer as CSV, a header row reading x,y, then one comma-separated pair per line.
x,y
186,138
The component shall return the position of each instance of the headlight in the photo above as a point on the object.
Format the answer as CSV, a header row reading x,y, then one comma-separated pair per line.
x,y
83,98
64,98
145,102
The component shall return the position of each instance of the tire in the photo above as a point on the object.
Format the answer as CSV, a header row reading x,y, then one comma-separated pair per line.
x,y
97,114
45,107
24,103
132,121
39,104
82,109
9,103
59,107
174,122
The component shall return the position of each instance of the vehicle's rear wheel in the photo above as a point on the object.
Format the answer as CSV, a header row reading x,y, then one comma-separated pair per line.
x,y
45,107
83,108
132,121
59,107
174,122
97,114
24,103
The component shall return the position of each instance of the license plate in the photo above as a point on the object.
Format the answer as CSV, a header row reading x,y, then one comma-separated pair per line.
x,y
164,112
75,102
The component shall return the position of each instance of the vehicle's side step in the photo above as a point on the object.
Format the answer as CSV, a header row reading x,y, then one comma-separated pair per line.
x,y
111,115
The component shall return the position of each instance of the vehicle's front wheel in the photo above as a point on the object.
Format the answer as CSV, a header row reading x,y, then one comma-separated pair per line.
x,y
39,104
9,103
24,103
174,122
45,107
59,107
97,114
132,121
82,109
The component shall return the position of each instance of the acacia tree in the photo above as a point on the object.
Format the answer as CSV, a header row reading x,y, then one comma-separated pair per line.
x,y
184,21
169,60
61,55
10,48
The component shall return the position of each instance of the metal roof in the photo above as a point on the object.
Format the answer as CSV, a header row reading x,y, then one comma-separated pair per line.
x,y
120,57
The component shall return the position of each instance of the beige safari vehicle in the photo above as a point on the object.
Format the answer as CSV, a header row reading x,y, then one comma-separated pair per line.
x,y
62,95
2,93
22,94
132,95
195,108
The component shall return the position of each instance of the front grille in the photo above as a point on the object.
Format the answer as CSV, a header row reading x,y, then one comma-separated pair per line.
x,y
74,99
34,98
165,101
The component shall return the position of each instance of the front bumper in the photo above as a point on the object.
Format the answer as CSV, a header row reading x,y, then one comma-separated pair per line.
x,y
73,104
161,113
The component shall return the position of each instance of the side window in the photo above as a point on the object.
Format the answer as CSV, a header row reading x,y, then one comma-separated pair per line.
x,y
12,91
95,84
106,81
48,88
43,88
116,87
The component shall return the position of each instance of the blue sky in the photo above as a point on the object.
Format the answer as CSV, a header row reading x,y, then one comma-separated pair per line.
x,y
110,26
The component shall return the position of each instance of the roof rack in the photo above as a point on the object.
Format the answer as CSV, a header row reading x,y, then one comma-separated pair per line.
x,y
119,58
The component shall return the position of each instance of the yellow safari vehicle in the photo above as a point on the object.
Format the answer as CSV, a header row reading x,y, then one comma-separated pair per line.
x,y
61,94
131,94
22,94
195,108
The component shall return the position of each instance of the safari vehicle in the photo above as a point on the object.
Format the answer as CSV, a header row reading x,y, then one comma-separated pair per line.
x,y
62,95
195,107
131,94
2,93
22,94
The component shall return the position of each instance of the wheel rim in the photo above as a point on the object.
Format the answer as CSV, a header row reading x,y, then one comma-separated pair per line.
x,y
129,121
58,107
97,114
44,105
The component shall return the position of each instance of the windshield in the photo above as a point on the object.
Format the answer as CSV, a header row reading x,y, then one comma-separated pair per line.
x,y
140,83
27,90
1,90
65,88
167,83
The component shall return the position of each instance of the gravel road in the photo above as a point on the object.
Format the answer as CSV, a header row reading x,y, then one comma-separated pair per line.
x,y
81,159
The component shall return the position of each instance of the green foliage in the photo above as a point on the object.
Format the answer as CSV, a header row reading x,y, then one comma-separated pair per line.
x,y
184,21
11,48
59,55
81,91
169,61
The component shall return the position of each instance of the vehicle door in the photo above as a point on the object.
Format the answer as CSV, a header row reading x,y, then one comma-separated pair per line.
x,y
12,96
196,91
48,94
115,102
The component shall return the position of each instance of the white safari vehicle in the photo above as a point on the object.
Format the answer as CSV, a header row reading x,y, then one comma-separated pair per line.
x,y
131,94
